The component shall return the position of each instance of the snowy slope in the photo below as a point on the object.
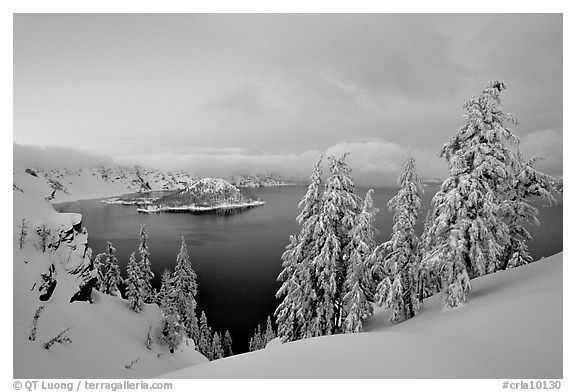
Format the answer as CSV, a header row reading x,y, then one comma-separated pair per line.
x,y
510,327
97,182
106,335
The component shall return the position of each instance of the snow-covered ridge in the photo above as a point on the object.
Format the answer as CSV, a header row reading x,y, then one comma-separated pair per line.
x,y
510,327
64,184
106,336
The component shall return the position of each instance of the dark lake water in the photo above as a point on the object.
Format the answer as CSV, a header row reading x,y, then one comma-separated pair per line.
x,y
237,256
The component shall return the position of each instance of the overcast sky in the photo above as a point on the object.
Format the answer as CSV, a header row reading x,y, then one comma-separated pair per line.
x,y
227,94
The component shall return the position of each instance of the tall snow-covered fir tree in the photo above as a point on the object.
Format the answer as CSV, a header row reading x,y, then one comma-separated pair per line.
x,y
111,278
269,334
146,267
337,216
185,286
529,184
467,232
360,285
134,285
204,345
217,352
399,288
295,312
227,344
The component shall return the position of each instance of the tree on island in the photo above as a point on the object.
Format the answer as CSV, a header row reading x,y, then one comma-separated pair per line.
x,y
399,288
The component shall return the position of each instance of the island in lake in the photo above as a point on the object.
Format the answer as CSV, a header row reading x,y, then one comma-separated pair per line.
x,y
205,195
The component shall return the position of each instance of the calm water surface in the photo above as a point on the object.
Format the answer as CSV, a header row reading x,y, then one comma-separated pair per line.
x,y
237,256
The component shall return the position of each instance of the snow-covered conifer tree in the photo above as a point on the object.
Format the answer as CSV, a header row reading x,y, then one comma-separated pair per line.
x,y
217,352
269,334
360,285
146,267
227,344
400,269
258,341
162,298
23,232
467,231
172,330
149,339
112,278
204,345
134,285
184,282
337,216
529,184
294,314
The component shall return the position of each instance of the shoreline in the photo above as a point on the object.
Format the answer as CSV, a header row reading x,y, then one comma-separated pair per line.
x,y
201,209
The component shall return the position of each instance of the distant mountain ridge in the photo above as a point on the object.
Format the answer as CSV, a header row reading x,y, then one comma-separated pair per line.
x,y
65,184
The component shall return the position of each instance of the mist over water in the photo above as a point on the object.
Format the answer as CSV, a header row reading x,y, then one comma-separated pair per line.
x,y
237,256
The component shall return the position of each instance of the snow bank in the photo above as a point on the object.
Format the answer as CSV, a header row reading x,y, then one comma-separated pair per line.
x,y
106,335
510,327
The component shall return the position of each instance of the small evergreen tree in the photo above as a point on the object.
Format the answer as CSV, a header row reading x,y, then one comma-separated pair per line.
x,y
112,277
185,285
34,328
145,267
134,285
23,232
205,338
162,298
44,235
269,334
149,339
399,289
60,338
172,331
217,352
227,344
258,341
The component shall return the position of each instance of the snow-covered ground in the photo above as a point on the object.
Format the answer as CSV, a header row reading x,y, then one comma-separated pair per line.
x,y
93,183
106,335
510,327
